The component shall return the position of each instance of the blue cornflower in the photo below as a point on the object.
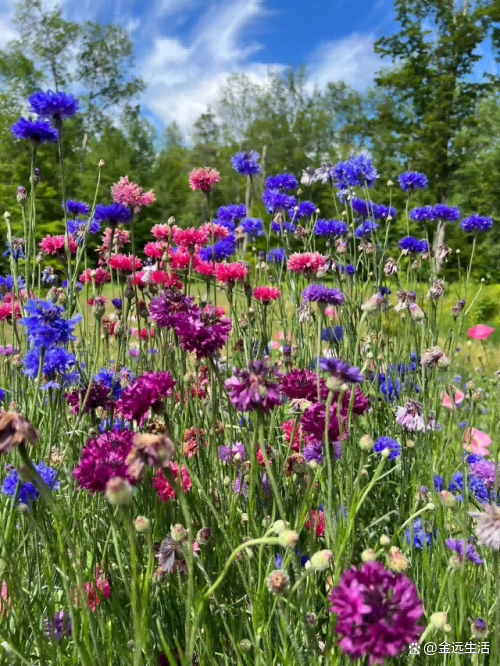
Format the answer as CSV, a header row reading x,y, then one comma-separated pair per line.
x,y
38,131
2,395
389,388
57,363
361,207
49,276
252,227
76,207
476,486
114,213
7,281
107,377
411,244
476,223
412,180
116,425
276,255
231,213
222,249
56,105
285,227
330,228
45,326
277,561
472,458
275,200
338,173
332,334
446,213
78,228
78,285
456,378
380,211
385,291
419,534
359,170
282,181
305,209
117,303
348,268
365,228
23,491
246,163
17,248
387,443
422,214
438,483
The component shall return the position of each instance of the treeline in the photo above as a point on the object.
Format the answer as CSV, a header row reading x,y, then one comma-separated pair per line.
x,y
432,109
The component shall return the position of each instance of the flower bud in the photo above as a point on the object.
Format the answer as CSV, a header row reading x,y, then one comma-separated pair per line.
x,y
22,196
438,620
390,183
279,526
384,540
278,582
397,562
178,532
368,555
118,491
321,560
416,312
366,444
311,619
479,628
288,538
100,164
245,646
447,499
142,525
373,303
204,535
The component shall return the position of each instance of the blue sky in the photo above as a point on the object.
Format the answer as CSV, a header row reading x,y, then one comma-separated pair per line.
x,y
186,48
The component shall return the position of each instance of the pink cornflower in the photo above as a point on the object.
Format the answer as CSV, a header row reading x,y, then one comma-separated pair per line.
x,y
288,429
217,230
231,272
203,179
161,231
131,194
318,522
189,238
120,238
6,308
103,458
101,300
205,268
376,612
306,262
165,490
155,250
55,244
123,262
266,294
181,258
103,588
100,276
160,277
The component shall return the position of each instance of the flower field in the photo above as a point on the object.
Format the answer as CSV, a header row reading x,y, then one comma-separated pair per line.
x,y
254,441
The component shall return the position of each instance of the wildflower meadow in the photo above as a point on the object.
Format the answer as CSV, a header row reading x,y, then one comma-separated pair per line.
x,y
258,440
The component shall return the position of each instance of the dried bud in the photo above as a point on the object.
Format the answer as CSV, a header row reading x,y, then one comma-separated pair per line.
x,y
373,303
22,196
295,464
396,561
142,525
14,430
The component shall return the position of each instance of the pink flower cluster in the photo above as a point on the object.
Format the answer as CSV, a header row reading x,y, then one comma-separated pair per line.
x,y
131,194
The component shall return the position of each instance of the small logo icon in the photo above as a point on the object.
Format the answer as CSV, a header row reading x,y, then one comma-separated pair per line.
x,y
414,648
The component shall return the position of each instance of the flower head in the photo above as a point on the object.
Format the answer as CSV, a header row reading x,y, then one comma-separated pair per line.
x,y
488,526
252,227
277,255
45,325
23,491
365,229
77,207
306,262
341,371
412,180
115,213
56,245
38,131
250,388
477,441
246,162
57,105
476,223
313,422
413,245
387,443
276,200
282,181
330,227
231,272
147,390
131,194
480,331
266,294
58,626
177,473
231,214
411,417
318,293
376,612
359,170
203,332
102,459
446,213
220,250
459,545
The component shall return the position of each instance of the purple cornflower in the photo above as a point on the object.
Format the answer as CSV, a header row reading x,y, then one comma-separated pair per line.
x,y
330,228
318,293
365,229
45,326
423,214
282,181
164,307
38,131
387,443
89,400
376,612
303,385
409,244
246,162
457,545
345,373
58,626
313,451
446,213
412,180
250,389
476,223
57,105
148,390
103,458
275,200
226,451
484,470
201,331
240,486
411,417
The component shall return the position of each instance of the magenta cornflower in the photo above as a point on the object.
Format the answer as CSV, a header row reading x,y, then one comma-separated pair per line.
x,y
164,307
103,458
147,390
376,612
251,389
89,400
303,385
203,332
313,422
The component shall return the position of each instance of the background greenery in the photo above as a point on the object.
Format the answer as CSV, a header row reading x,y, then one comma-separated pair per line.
x,y
431,109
